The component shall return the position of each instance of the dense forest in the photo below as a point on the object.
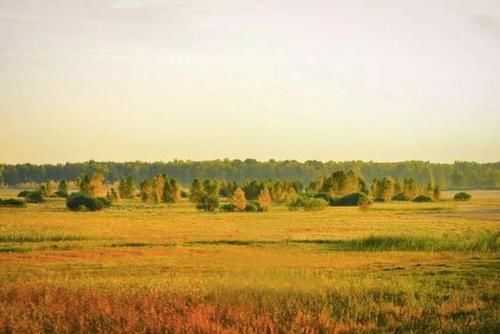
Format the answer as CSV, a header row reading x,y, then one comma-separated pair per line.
x,y
459,175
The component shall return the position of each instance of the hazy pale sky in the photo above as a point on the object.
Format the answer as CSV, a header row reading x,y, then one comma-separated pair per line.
x,y
156,80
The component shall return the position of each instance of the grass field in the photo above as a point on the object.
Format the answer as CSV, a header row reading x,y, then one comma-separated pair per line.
x,y
398,267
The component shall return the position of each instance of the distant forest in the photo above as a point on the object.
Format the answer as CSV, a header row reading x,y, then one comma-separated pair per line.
x,y
459,175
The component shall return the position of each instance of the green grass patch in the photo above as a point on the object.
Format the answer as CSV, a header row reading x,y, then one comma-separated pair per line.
x,y
37,237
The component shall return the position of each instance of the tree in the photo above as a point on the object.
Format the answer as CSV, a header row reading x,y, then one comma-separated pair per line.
x,y
239,199
84,185
171,191
384,189
62,189
437,193
112,195
196,192
429,189
146,191
97,187
126,187
209,199
410,187
159,187
265,199
46,189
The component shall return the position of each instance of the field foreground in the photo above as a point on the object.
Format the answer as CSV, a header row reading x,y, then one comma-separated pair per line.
x,y
398,267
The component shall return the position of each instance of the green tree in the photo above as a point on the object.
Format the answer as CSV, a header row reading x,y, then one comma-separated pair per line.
x,y
146,191
196,192
62,189
171,191
126,187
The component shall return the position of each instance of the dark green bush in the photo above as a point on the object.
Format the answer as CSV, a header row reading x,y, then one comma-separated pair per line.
x,y
61,194
36,196
323,195
422,199
353,199
253,206
13,202
228,207
23,193
400,197
462,196
77,201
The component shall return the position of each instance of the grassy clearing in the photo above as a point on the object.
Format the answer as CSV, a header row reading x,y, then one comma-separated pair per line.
x,y
399,267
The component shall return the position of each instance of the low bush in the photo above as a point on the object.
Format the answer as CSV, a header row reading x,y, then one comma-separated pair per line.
x,y
307,203
23,193
77,202
422,199
400,197
462,196
208,203
61,194
12,202
229,207
36,196
354,199
253,206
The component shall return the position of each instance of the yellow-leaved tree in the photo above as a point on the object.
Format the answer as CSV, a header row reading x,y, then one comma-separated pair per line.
x,y
239,199
265,199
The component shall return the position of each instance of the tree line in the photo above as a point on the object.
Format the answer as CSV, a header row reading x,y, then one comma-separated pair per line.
x,y
458,175
338,189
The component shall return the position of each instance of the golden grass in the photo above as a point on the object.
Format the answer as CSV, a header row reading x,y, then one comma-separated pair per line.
x,y
398,267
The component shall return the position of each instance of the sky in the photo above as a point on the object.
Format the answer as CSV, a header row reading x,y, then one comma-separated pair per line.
x,y
151,80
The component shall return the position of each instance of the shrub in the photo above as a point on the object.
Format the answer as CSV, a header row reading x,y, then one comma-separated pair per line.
x,y
323,195
36,196
61,194
208,202
364,203
307,203
228,207
400,197
23,193
422,199
13,202
253,206
462,196
354,199
77,201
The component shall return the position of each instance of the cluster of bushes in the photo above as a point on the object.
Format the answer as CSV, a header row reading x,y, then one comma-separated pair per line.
x,y
251,206
307,203
36,196
12,202
354,199
80,202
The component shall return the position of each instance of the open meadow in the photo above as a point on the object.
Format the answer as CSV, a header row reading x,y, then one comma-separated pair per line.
x,y
135,267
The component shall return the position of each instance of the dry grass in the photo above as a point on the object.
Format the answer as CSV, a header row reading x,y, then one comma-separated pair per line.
x,y
398,267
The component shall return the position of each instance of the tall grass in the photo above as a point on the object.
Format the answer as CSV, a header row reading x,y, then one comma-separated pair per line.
x,y
351,309
486,242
